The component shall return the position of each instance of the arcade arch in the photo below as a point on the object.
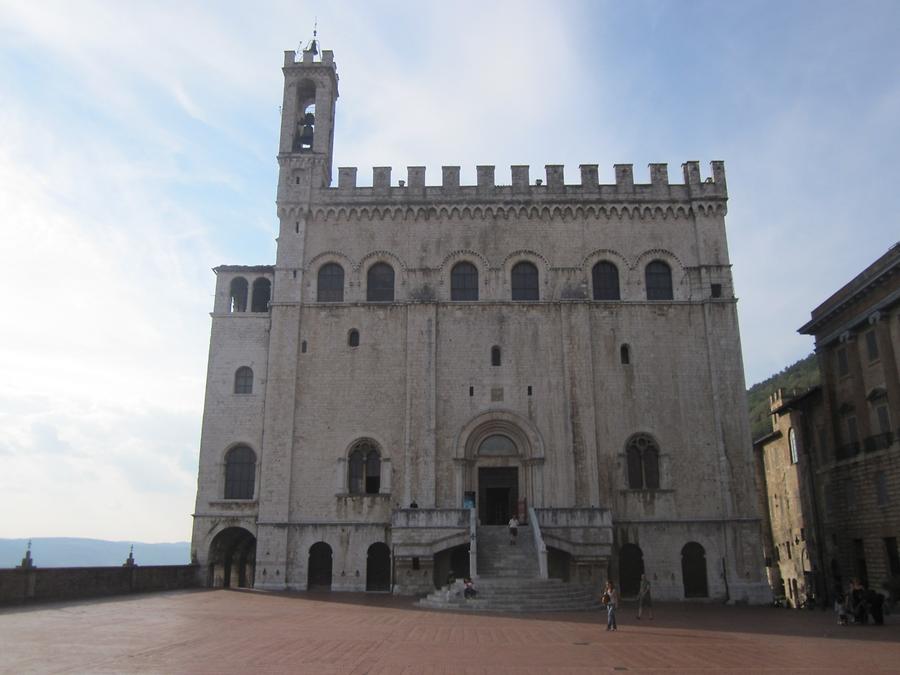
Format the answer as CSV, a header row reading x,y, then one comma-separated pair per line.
x,y
232,559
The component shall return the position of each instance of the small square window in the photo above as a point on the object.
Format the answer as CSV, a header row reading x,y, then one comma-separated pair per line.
x,y
716,290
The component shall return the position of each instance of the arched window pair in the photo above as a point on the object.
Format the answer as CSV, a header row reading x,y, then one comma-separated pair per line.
x,y
259,300
642,455
379,283
364,469
657,278
240,473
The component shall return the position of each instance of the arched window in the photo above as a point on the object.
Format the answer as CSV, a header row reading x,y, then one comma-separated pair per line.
x,y
625,354
605,276
642,455
330,283
240,473
243,380
353,338
525,282
792,443
306,121
238,295
464,281
658,276
495,356
365,469
380,283
262,292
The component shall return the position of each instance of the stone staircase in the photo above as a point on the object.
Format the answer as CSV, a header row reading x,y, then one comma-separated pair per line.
x,y
498,558
509,580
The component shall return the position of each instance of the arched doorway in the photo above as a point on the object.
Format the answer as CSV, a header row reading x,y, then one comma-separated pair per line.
x,y
693,570
318,577
500,460
378,567
232,559
631,567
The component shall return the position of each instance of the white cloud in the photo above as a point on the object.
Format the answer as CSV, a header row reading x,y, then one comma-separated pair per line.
x,y
138,151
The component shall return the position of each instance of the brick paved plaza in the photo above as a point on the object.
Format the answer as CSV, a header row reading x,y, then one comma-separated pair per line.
x,y
243,632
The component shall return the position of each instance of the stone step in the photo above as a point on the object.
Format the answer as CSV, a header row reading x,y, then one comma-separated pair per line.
x,y
509,594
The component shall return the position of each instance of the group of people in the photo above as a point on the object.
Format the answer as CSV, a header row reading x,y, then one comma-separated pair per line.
x,y
610,599
858,604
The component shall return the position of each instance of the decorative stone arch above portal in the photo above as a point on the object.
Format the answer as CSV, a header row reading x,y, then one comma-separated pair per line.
x,y
505,423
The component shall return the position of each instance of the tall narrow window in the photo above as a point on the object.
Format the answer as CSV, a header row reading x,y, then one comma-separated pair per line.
x,y
238,293
658,277
872,345
525,282
353,338
262,292
495,356
843,365
884,419
330,283
464,281
625,354
243,380
605,277
792,443
365,469
240,473
380,283
893,556
642,456
881,491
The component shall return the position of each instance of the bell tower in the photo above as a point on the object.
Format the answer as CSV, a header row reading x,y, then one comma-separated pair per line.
x,y
304,162
307,121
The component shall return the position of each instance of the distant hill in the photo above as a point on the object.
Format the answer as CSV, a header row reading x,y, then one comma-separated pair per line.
x,y
799,376
75,552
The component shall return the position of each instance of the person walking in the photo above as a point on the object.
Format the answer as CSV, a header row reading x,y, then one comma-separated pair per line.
x,y
644,598
513,530
610,598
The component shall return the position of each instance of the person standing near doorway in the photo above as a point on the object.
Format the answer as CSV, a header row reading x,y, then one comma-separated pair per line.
x,y
644,599
611,599
513,530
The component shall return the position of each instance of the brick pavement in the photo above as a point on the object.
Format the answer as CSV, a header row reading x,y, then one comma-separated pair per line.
x,y
250,632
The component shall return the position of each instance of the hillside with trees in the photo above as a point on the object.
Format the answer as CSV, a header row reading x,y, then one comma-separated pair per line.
x,y
799,377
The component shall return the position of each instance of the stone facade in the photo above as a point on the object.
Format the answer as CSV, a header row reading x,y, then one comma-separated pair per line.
x,y
520,382
792,539
855,446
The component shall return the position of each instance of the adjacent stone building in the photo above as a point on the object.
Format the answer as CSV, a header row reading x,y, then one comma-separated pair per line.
x,y
830,468
856,446
792,539
425,360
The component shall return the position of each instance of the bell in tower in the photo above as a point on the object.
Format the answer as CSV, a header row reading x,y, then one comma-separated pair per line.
x,y
307,114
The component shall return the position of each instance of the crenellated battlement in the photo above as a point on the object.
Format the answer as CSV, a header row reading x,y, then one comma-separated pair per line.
x,y
521,185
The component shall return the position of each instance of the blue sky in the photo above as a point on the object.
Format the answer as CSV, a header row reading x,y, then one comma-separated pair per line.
x,y
138,151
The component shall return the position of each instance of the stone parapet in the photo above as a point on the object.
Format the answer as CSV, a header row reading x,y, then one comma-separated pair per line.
x,y
552,189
